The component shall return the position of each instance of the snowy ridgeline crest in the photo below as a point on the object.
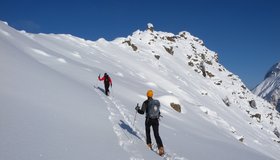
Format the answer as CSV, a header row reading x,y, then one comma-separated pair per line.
x,y
200,59
51,95
269,89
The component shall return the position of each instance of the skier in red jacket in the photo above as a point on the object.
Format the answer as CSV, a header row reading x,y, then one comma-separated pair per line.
x,y
107,82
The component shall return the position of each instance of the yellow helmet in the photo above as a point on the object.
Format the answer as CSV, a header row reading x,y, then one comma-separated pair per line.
x,y
150,93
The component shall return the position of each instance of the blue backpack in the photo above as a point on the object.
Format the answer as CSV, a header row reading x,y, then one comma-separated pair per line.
x,y
153,111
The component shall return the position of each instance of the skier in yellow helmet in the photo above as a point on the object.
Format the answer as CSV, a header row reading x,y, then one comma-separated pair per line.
x,y
151,107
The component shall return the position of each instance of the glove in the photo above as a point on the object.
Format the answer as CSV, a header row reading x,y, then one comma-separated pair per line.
x,y
137,108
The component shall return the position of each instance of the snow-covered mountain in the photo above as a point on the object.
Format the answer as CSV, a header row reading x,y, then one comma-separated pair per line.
x,y
269,89
52,105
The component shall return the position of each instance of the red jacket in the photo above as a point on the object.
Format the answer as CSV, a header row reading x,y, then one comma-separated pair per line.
x,y
103,78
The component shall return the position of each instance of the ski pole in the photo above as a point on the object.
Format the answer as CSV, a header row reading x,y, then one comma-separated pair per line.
x,y
97,79
135,115
112,91
134,119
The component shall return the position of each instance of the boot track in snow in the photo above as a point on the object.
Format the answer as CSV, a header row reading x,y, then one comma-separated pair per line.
x,y
128,134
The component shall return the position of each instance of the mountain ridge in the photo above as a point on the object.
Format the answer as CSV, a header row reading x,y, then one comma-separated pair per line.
x,y
269,89
217,113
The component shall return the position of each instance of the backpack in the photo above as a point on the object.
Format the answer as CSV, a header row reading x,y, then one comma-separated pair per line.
x,y
106,80
153,111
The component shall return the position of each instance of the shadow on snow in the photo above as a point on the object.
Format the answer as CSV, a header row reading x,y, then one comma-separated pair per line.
x,y
126,127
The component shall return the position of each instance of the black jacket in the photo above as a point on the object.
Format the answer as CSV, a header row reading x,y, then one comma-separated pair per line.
x,y
144,107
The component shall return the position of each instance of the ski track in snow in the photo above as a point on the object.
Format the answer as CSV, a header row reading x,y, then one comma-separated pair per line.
x,y
128,133
72,59
121,126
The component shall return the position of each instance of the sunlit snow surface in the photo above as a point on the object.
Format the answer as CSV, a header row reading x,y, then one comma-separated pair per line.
x,y
53,107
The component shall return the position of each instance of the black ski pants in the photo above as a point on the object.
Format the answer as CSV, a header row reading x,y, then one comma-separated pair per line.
x,y
155,125
106,86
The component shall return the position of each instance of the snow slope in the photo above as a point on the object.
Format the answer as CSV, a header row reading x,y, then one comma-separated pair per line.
x,y
269,89
53,107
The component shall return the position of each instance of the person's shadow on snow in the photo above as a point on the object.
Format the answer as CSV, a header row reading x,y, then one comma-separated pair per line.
x,y
124,126
101,89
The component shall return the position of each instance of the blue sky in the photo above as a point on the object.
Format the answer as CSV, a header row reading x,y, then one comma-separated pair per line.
x,y
245,33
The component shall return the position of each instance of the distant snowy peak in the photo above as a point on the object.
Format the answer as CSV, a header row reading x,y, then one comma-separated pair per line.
x,y
269,89
274,71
